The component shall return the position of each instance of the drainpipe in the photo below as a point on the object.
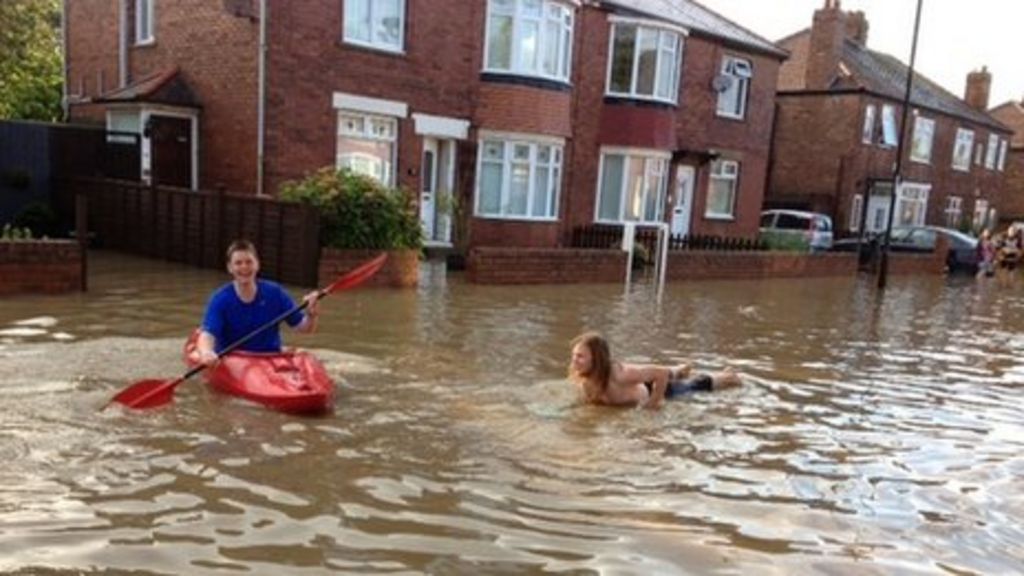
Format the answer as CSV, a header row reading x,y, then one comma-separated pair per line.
x,y
122,46
65,107
261,97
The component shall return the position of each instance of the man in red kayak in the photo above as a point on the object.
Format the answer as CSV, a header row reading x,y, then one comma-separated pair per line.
x,y
246,303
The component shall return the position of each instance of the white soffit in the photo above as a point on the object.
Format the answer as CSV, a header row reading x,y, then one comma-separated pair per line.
x,y
441,126
343,101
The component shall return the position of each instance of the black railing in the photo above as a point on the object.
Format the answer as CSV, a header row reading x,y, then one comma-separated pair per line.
x,y
606,236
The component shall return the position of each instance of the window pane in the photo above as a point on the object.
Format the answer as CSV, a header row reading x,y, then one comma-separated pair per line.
x,y
648,61
622,59
552,34
556,178
519,188
666,69
388,22
635,189
611,188
529,38
499,48
490,188
540,191
652,202
532,8
720,198
357,20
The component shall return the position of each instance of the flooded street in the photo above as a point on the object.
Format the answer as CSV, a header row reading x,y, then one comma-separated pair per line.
x,y
875,435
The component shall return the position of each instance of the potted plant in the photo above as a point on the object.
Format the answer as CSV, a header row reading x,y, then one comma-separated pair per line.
x,y
360,217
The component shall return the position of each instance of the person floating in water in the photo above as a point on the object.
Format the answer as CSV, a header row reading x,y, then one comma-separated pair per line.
x,y
605,381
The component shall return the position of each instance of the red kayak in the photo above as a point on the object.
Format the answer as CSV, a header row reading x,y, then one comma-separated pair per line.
x,y
291,381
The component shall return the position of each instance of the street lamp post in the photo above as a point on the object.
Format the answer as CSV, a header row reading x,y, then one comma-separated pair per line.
x,y
897,177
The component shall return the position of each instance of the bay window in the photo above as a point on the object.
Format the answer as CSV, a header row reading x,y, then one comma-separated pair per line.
x,y
366,145
954,211
722,188
644,62
632,186
529,38
375,23
518,178
732,101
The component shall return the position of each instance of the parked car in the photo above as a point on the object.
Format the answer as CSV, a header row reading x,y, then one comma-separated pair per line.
x,y
811,229
962,254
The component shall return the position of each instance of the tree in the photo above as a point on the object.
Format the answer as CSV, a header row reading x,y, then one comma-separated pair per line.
x,y
31,71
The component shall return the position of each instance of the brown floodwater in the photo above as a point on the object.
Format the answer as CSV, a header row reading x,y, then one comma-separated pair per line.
x,y
875,435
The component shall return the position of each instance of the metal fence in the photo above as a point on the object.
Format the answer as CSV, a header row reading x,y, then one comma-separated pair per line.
x,y
604,236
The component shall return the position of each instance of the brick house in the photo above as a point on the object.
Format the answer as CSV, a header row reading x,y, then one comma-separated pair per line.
x,y
511,121
837,129
1012,114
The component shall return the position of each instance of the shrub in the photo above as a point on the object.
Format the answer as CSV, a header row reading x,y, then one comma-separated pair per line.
x,y
357,212
38,217
781,241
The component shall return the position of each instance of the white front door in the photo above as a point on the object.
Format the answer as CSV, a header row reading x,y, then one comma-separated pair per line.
x,y
683,205
428,188
878,213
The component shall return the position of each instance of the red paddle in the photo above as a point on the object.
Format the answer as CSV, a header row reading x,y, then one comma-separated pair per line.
x,y
155,392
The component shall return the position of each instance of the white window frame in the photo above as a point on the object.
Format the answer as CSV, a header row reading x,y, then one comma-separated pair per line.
x,y
727,170
555,175
980,213
732,102
1001,163
954,211
144,32
992,151
856,207
890,132
656,165
912,193
921,143
867,132
555,23
962,148
368,134
372,7
662,32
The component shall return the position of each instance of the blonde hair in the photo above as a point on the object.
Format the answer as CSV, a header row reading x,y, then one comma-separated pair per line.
x,y
595,381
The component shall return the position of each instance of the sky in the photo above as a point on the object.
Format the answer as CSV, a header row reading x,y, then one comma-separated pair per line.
x,y
956,37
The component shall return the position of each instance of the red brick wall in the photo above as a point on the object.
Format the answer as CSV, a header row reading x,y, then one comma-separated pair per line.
x,y
523,109
709,265
92,45
400,270
690,125
1013,193
487,265
216,52
437,74
45,266
820,162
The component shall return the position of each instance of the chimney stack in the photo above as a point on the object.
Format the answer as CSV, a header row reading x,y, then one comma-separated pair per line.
x,y
827,33
979,84
857,27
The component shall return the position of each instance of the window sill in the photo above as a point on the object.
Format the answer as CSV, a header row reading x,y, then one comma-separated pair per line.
x,y
145,43
526,80
372,48
519,219
639,101
731,117
720,217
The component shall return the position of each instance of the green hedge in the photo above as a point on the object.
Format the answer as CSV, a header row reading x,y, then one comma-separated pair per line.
x,y
357,212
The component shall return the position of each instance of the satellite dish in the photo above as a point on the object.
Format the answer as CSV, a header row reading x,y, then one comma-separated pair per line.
x,y
721,83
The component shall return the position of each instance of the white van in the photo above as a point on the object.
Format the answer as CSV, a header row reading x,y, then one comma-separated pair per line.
x,y
812,227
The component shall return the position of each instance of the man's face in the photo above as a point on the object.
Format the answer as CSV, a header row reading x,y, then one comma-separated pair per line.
x,y
243,265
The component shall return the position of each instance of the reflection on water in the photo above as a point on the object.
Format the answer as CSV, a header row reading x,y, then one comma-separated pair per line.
x,y
877,435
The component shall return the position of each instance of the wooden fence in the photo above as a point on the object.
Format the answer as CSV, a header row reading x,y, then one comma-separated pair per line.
x,y
195,227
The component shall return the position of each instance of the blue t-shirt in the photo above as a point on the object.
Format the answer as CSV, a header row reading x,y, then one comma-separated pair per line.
x,y
229,319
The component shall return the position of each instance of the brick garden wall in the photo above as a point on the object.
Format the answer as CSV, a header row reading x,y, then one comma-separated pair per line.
x,y
401,270
545,266
41,267
715,265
